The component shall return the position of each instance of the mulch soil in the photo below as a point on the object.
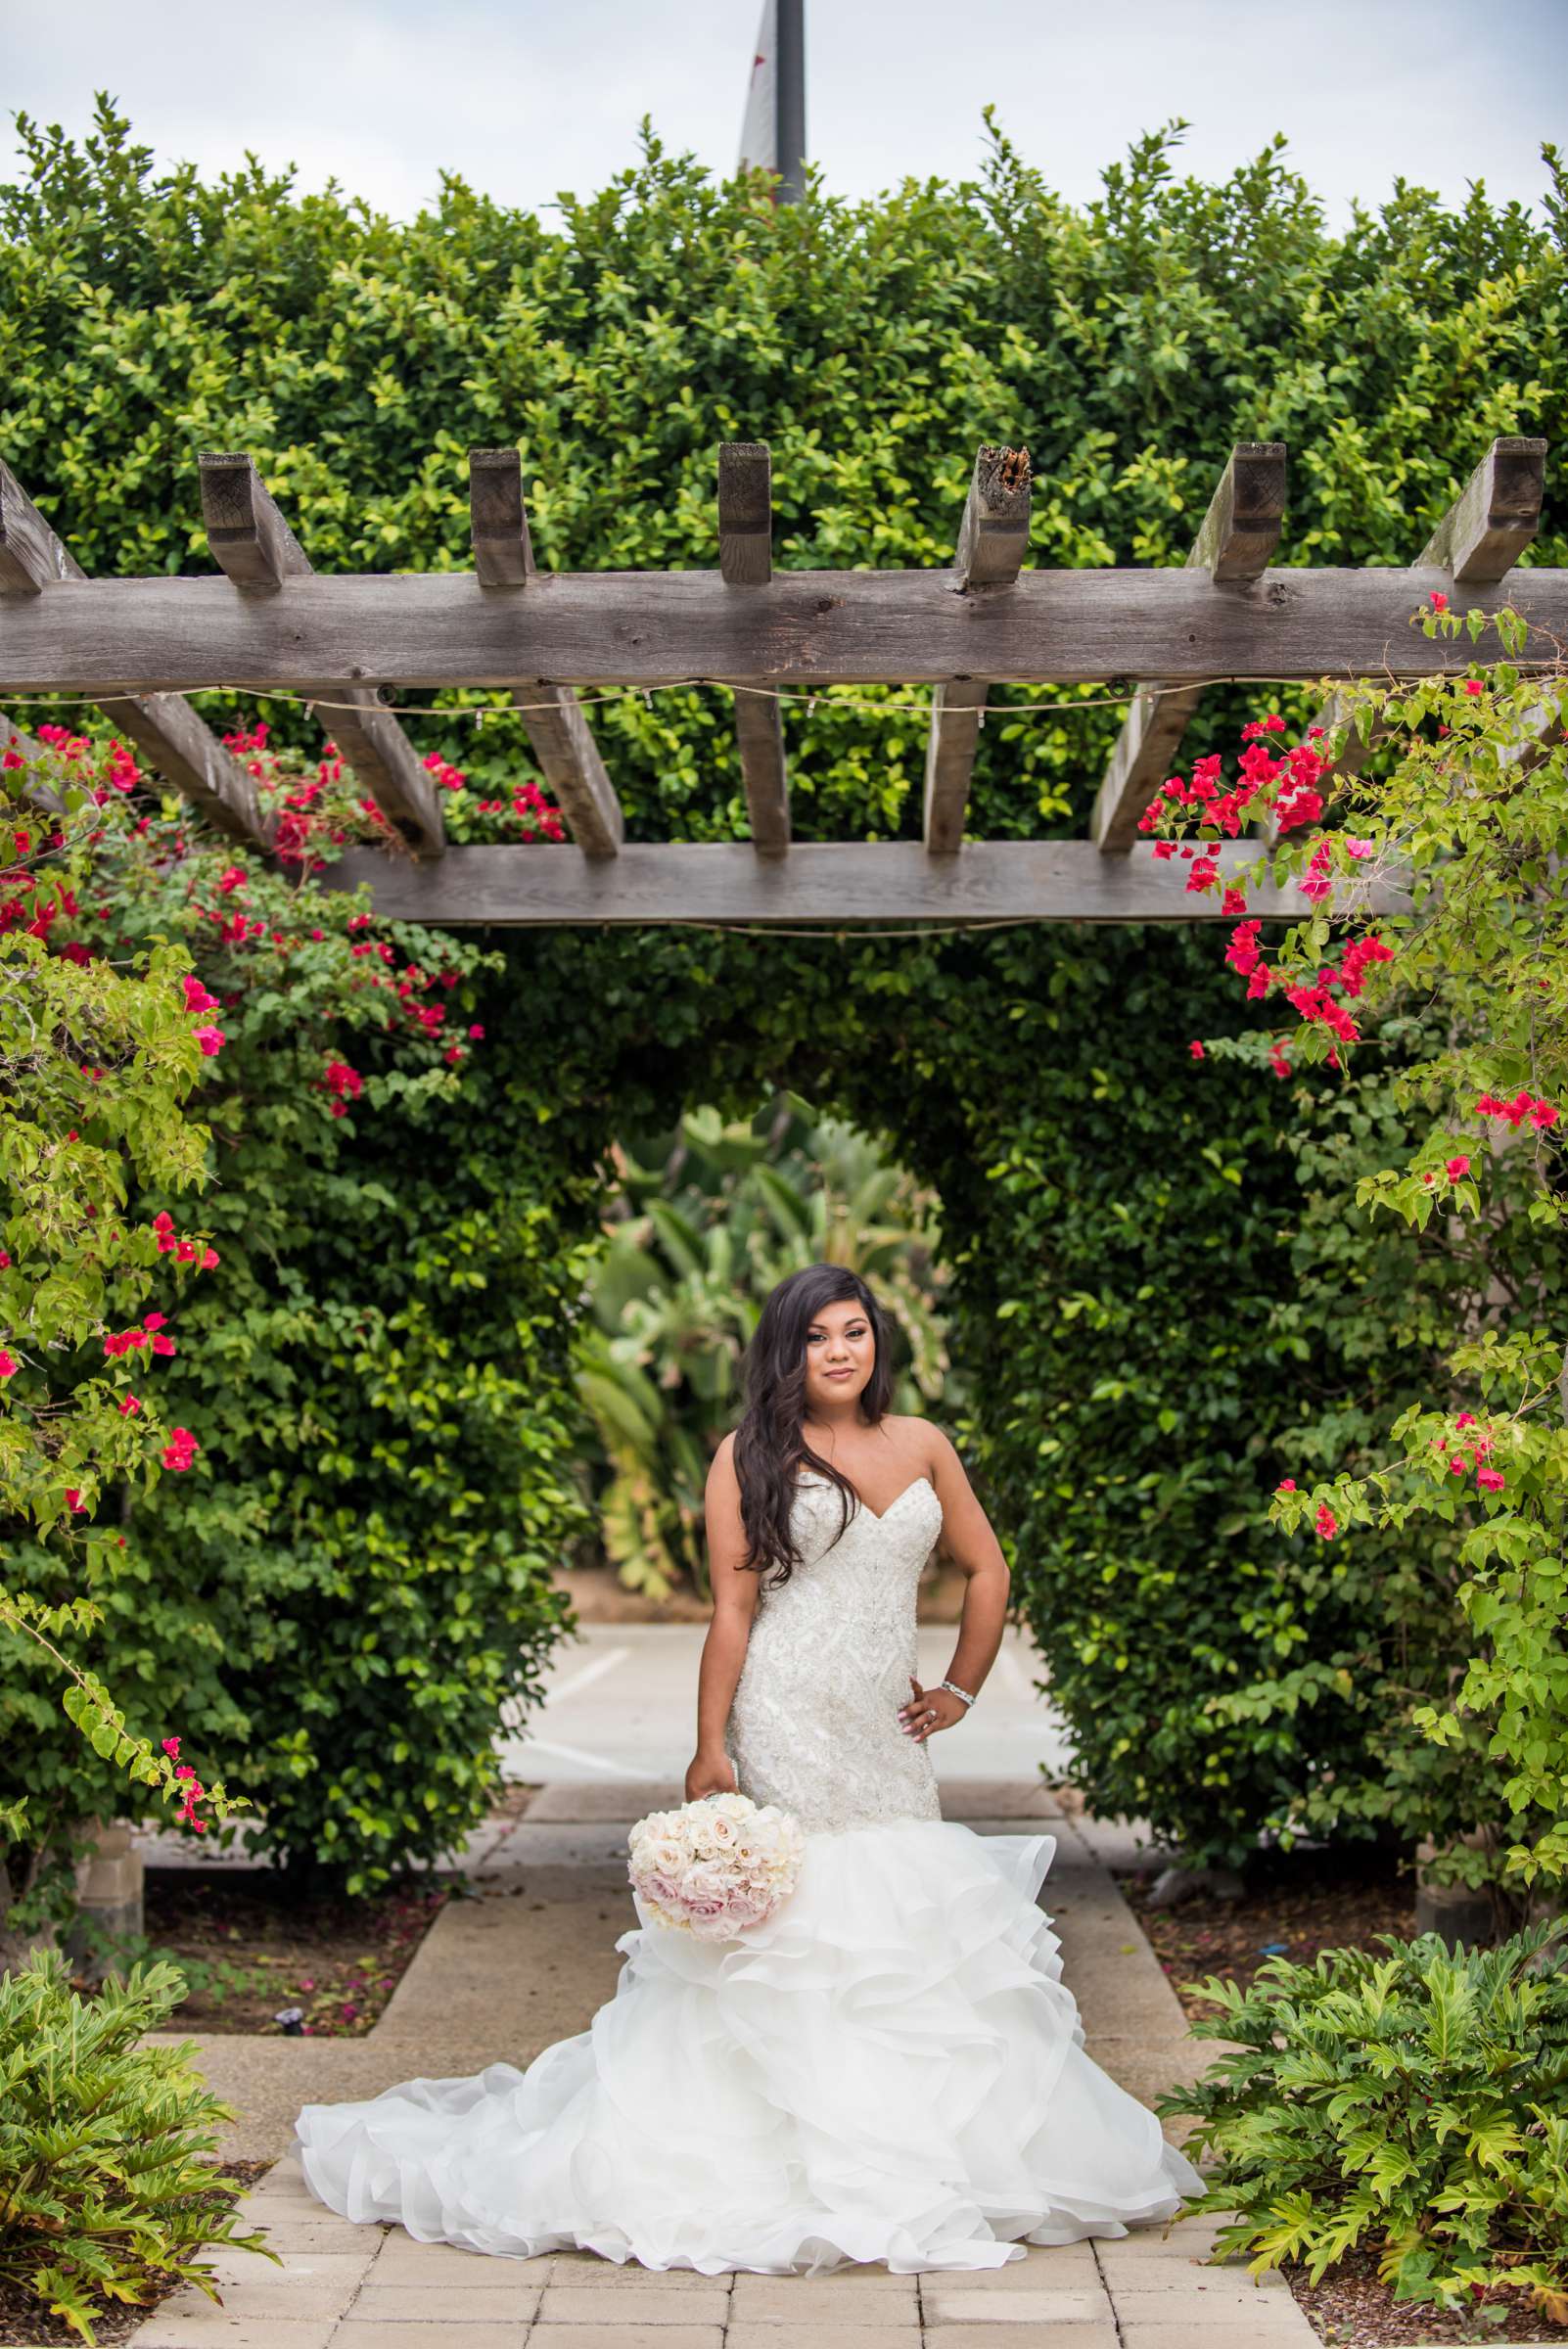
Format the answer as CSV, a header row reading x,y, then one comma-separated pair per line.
x,y
250,1949
1309,1902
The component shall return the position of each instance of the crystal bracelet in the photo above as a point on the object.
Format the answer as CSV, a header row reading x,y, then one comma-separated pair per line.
x,y
956,1690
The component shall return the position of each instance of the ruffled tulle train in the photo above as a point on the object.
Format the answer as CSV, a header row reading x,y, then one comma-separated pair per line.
x,y
890,2069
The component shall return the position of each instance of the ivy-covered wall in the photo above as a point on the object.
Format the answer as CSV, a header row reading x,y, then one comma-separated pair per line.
x,y
378,1382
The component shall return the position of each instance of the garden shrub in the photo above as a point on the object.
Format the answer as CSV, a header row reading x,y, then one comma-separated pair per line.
x,y
1411,2103
104,2197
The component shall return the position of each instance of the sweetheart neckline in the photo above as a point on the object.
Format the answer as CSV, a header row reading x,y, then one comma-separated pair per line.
x,y
880,1516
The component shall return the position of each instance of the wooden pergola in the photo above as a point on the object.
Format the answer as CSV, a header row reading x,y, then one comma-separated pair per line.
x,y
267,623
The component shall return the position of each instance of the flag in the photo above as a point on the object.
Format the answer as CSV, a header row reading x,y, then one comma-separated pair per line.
x,y
773,132
759,147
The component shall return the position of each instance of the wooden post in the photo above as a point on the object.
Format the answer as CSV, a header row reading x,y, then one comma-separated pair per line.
x,y
559,733
992,542
745,512
1235,540
253,545
185,751
746,560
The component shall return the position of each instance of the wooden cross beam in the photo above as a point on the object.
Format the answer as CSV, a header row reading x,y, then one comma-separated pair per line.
x,y
992,542
745,561
252,543
818,881
807,628
1235,540
36,564
1494,518
559,733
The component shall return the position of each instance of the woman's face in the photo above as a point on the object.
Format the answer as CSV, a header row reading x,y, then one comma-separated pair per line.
x,y
840,1357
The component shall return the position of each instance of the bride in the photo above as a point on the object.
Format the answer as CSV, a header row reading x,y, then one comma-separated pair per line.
x,y
890,2068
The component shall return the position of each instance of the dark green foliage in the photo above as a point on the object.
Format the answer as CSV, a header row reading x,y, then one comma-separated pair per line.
x,y
102,2196
381,1379
1411,2103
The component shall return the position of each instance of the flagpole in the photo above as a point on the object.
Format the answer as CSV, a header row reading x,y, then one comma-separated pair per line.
x,y
791,101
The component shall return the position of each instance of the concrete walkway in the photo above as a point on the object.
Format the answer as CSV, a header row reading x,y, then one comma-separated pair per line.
x,y
524,1963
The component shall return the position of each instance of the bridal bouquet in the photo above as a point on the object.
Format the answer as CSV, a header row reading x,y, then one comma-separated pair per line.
x,y
715,1866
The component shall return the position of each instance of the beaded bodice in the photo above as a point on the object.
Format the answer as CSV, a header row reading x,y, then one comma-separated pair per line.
x,y
815,1724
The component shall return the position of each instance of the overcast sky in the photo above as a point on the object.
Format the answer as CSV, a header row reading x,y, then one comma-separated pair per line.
x,y
533,96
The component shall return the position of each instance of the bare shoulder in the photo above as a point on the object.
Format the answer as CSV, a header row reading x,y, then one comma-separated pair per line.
x,y
922,1442
721,1468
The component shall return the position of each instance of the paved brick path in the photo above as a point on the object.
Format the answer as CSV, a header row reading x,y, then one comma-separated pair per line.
x,y
355,2288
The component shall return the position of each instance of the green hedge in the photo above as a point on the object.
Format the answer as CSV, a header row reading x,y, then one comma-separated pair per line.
x,y
380,1383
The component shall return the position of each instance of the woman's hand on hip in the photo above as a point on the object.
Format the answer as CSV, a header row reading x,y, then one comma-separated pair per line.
x,y
929,1709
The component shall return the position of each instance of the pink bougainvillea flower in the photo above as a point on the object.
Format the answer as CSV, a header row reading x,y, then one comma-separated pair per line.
x,y
1491,1480
1195,1048
73,1499
180,1449
129,1406
1439,602
8,1364
196,997
1326,1522
171,1747
212,1040
1455,1169
1286,1484
1472,685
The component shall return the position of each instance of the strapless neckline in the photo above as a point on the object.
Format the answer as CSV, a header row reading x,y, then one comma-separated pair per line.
x,y
880,1516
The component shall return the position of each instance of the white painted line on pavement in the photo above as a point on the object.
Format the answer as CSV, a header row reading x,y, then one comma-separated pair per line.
x,y
587,1676
568,1753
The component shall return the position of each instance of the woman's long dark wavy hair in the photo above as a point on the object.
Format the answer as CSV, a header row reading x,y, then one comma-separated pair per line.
x,y
769,1447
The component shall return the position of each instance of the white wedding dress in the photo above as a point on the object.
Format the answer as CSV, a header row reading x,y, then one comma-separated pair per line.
x,y
889,2069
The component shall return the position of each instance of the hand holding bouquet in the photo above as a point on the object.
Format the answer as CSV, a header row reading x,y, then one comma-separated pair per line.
x,y
717,1866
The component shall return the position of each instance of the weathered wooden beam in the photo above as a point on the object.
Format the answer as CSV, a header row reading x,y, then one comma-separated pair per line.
x,y
1237,536
498,518
807,628
558,732
33,789
759,736
994,534
955,713
562,741
1495,515
746,560
1144,751
254,547
992,542
248,537
1235,540
34,564
848,881
32,557
745,512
